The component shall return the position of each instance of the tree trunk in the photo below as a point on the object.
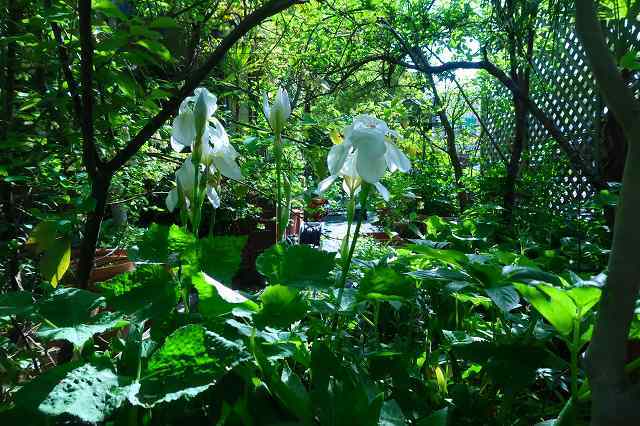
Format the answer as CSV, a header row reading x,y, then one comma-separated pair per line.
x,y
8,98
99,192
518,147
452,150
614,400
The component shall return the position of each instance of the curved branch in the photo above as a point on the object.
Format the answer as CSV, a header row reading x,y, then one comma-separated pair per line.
x,y
171,106
422,65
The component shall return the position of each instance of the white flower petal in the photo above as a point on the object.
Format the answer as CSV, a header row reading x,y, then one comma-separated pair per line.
x,y
183,132
368,140
172,200
282,99
228,167
185,176
349,166
326,183
210,101
396,160
384,192
370,167
213,197
337,156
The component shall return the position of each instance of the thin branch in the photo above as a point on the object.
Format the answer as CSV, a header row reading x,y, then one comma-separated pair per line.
x,y
574,156
89,152
65,64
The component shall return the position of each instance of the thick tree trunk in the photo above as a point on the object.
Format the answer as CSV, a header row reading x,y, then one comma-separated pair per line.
x,y
99,192
614,401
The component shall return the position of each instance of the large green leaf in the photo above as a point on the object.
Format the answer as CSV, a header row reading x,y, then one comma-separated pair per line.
x,y
554,305
70,306
294,396
216,299
437,418
162,244
90,392
296,266
218,257
440,274
384,283
525,274
18,303
505,297
80,333
190,361
281,306
451,257
56,260
146,292
584,298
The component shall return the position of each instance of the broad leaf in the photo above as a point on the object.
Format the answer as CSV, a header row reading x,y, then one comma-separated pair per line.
x,y
190,361
296,266
385,284
281,306
90,392
215,299
219,257
80,333
554,305
70,306
19,303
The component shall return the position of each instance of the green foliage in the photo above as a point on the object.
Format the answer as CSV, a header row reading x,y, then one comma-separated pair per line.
x,y
296,266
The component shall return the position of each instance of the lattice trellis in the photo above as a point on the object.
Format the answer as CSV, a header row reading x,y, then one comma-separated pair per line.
x,y
563,86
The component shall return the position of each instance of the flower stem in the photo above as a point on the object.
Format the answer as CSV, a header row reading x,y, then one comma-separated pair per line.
x,y
278,151
575,349
346,262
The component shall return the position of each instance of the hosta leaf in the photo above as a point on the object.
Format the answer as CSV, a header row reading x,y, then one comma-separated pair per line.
x,y
443,274
554,305
451,257
296,266
294,396
585,298
146,292
505,297
55,260
437,418
526,274
385,284
162,244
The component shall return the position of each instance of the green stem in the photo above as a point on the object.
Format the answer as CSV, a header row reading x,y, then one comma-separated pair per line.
x,y
278,149
195,208
575,348
346,263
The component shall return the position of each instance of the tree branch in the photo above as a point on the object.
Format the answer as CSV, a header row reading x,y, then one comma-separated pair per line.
x,y
89,152
574,156
65,63
171,106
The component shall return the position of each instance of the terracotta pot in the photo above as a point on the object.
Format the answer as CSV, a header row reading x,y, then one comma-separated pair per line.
x,y
107,264
384,237
316,202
